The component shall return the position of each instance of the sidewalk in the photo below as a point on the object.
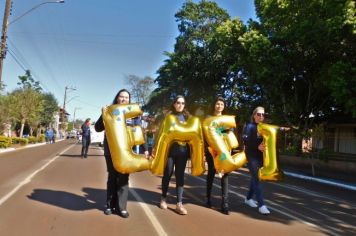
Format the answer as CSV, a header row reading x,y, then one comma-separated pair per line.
x,y
16,147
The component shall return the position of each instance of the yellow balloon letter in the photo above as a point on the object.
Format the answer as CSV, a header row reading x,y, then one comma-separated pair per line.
x,y
121,138
222,143
172,130
270,170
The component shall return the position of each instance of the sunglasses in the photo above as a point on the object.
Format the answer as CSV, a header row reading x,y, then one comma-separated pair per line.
x,y
180,103
260,114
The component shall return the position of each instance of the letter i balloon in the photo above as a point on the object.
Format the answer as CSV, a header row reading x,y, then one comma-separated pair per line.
x,y
270,170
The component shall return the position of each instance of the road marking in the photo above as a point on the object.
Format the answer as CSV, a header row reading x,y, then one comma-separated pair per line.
x,y
274,209
324,181
155,222
305,191
29,178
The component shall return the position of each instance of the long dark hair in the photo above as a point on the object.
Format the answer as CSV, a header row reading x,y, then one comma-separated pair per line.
x,y
118,94
218,99
173,109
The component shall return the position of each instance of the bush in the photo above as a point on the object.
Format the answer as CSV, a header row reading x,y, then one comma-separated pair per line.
x,y
5,142
22,141
33,139
42,138
290,150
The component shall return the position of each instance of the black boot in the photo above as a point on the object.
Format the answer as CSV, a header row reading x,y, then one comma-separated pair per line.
x,y
225,209
225,205
208,203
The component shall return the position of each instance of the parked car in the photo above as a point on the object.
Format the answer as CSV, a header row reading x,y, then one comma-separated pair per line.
x,y
96,137
72,134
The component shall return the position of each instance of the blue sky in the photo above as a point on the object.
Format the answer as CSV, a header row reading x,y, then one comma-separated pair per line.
x,y
92,45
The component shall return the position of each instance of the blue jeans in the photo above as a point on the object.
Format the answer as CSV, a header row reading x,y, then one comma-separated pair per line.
x,y
255,185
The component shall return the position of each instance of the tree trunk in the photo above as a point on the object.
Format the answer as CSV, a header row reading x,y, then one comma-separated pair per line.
x,y
22,127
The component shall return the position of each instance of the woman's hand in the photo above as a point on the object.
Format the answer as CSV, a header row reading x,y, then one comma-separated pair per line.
x,y
104,108
147,155
262,147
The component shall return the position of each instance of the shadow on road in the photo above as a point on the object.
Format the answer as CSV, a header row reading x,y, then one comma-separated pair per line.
x,y
91,199
79,156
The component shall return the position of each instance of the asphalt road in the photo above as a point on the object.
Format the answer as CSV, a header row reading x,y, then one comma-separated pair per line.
x,y
51,190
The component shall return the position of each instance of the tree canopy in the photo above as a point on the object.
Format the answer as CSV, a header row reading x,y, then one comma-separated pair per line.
x,y
297,60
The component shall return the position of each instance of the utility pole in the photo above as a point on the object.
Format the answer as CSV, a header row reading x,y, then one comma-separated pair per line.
x,y
63,123
5,25
4,36
75,109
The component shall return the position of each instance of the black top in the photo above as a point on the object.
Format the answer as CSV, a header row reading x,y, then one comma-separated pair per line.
x,y
252,140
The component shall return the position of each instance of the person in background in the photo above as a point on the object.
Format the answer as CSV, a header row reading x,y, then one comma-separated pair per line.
x,y
54,136
117,188
177,159
217,110
49,135
85,137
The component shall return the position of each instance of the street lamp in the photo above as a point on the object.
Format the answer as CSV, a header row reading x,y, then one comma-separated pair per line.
x,y
5,24
33,8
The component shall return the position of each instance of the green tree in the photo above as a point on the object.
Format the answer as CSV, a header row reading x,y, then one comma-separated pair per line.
x,y
26,102
47,112
26,81
50,108
303,59
25,106
193,62
4,109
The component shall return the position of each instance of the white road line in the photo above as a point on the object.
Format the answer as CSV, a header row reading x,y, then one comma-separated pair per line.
x,y
304,191
319,180
29,178
155,222
274,209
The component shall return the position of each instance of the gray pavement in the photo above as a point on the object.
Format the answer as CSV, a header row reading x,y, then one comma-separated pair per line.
x,y
295,174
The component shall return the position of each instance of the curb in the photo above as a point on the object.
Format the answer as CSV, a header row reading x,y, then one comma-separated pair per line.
x,y
10,149
324,181
2,150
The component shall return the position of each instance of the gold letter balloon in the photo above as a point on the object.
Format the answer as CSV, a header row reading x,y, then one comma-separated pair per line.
x,y
172,130
122,138
221,143
270,170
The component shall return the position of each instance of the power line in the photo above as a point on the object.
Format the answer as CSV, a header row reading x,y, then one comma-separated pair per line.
x,y
16,59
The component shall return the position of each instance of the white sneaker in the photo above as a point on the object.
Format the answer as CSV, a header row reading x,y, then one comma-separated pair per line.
x,y
250,203
180,209
163,204
263,210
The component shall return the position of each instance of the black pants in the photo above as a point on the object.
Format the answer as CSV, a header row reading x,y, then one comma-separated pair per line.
x,y
85,145
178,161
210,179
117,187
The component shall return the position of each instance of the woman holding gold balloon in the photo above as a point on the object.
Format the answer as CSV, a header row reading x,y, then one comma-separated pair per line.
x,y
218,109
117,183
254,148
177,159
